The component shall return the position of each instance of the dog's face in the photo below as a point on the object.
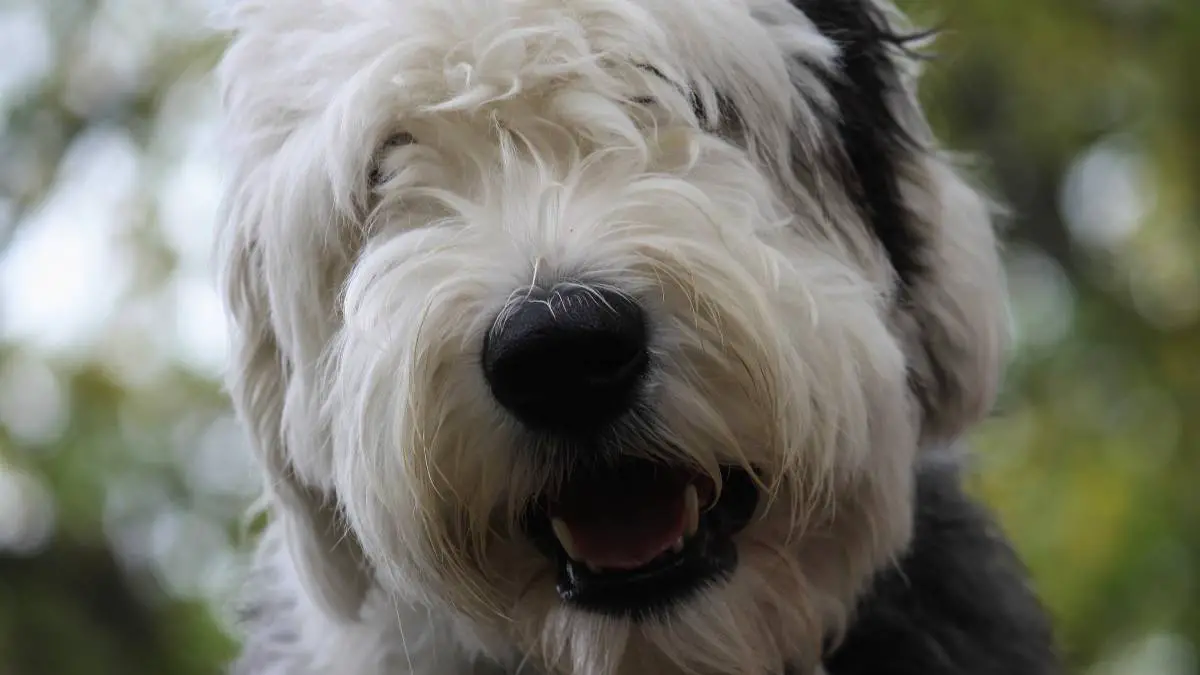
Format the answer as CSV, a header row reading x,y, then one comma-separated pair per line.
x,y
611,328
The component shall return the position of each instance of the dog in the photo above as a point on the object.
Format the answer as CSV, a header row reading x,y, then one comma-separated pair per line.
x,y
610,337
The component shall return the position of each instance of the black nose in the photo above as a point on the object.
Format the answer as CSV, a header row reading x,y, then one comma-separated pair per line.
x,y
567,361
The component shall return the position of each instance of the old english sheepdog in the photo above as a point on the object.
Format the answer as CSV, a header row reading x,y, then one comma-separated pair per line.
x,y
609,337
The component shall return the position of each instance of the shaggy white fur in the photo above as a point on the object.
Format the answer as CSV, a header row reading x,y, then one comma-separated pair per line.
x,y
403,169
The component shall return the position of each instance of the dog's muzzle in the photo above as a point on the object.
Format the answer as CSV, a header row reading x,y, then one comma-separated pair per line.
x,y
630,536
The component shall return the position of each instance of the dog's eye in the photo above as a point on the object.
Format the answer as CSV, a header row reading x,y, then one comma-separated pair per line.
x,y
398,139
379,171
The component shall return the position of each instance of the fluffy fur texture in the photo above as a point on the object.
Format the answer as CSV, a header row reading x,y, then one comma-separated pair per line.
x,y
824,293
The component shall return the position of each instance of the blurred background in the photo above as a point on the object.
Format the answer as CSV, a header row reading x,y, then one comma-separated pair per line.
x,y
123,478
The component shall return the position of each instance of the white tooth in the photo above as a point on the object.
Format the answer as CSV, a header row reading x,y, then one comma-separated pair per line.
x,y
691,510
677,547
564,537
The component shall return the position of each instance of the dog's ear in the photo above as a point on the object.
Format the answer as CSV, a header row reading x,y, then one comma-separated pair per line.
x,y
327,558
954,315
277,266
935,229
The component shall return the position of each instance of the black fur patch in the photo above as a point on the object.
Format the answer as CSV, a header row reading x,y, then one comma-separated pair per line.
x,y
958,603
873,142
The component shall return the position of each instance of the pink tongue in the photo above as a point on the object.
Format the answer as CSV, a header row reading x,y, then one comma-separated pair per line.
x,y
625,522
629,535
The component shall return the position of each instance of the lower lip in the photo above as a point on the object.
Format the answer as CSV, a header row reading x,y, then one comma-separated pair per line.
x,y
650,591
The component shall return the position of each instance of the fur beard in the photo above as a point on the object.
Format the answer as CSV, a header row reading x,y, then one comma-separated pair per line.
x,y
957,602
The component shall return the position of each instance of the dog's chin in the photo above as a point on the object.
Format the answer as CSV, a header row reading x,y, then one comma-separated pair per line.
x,y
635,538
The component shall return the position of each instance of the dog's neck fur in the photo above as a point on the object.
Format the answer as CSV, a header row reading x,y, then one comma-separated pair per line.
x,y
958,602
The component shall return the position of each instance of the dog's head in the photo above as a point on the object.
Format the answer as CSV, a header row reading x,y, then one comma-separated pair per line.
x,y
610,327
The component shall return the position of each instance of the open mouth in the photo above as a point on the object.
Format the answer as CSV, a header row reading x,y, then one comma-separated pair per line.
x,y
634,538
